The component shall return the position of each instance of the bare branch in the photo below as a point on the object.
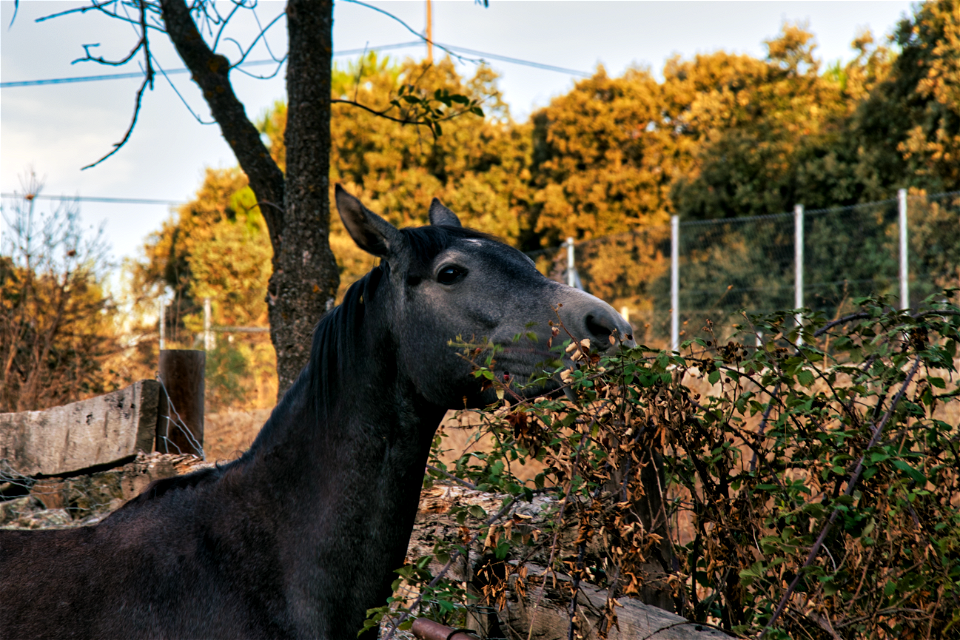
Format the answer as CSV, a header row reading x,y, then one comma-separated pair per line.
x,y
182,99
265,43
226,21
851,485
95,6
273,74
133,121
210,72
147,81
261,34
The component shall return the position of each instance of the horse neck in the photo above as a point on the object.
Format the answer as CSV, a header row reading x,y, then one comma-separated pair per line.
x,y
370,428
347,465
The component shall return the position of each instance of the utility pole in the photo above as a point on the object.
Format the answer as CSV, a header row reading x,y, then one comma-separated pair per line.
x,y
429,33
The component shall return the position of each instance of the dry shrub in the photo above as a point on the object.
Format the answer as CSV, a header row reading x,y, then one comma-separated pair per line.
x,y
805,490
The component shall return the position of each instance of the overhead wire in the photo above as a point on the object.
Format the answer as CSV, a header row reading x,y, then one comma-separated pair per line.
x,y
106,199
256,63
253,63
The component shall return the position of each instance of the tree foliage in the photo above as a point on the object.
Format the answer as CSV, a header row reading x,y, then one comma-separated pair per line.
x,y
723,136
217,247
59,327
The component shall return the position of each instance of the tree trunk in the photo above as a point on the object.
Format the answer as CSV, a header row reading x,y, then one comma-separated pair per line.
x,y
305,277
296,209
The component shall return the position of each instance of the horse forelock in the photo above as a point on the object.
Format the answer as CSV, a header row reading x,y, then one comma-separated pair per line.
x,y
426,243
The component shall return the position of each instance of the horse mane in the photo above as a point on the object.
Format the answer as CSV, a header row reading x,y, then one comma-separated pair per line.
x,y
335,341
335,337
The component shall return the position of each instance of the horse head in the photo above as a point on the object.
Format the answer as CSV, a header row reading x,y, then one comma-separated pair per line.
x,y
451,284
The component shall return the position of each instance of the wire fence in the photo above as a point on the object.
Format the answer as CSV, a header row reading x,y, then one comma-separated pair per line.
x,y
694,278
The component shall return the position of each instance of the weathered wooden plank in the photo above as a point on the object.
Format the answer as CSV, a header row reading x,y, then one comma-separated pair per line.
x,y
90,433
542,613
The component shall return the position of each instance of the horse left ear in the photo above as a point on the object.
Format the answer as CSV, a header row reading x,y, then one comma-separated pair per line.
x,y
372,233
439,214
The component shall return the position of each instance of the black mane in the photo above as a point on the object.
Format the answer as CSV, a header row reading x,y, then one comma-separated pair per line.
x,y
334,344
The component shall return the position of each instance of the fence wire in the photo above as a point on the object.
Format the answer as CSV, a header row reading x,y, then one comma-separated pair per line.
x,y
747,265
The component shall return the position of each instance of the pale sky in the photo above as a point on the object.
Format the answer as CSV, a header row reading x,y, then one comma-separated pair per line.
x,y
57,129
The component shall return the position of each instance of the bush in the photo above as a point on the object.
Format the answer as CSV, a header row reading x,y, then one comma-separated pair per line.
x,y
58,324
809,488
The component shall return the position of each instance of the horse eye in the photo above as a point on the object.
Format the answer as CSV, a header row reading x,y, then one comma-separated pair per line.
x,y
449,275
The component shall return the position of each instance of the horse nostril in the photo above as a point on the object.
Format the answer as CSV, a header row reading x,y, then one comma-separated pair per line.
x,y
600,327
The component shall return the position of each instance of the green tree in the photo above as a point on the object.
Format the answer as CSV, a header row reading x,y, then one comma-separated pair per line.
x,y
743,123
907,131
218,247
597,162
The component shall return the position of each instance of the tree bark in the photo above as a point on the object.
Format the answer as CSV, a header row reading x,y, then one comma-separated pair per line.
x,y
296,208
305,277
211,73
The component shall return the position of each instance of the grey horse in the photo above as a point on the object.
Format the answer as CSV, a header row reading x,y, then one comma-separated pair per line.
x,y
301,535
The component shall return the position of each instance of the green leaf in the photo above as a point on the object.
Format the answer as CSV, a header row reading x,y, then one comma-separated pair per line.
x,y
917,477
805,377
890,588
477,511
714,377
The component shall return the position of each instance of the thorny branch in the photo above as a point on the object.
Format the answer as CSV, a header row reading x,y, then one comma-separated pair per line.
x,y
851,485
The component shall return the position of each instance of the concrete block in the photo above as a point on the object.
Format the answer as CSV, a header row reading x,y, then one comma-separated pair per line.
x,y
90,433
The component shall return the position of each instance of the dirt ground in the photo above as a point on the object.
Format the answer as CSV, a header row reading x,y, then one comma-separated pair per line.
x,y
227,435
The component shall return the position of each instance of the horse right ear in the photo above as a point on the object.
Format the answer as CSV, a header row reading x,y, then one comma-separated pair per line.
x,y
372,233
439,214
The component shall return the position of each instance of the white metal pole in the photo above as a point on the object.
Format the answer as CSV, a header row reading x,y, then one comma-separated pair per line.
x,y
207,334
674,283
904,268
798,264
161,305
570,263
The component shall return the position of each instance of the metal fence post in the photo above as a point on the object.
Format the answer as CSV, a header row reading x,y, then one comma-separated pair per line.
x,y
571,278
674,283
798,265
904,267
207,333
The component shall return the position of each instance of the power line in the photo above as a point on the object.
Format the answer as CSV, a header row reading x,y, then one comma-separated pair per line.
x,y
105,199
257,63
139,74
526,63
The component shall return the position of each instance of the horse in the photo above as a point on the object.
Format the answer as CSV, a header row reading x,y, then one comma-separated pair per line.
x,y
302,534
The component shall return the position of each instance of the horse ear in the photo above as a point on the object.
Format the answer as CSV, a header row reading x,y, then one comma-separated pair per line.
x,y
439,214
372,233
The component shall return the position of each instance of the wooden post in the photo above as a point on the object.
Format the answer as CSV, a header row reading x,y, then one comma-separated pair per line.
x,y
429,33
180,418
